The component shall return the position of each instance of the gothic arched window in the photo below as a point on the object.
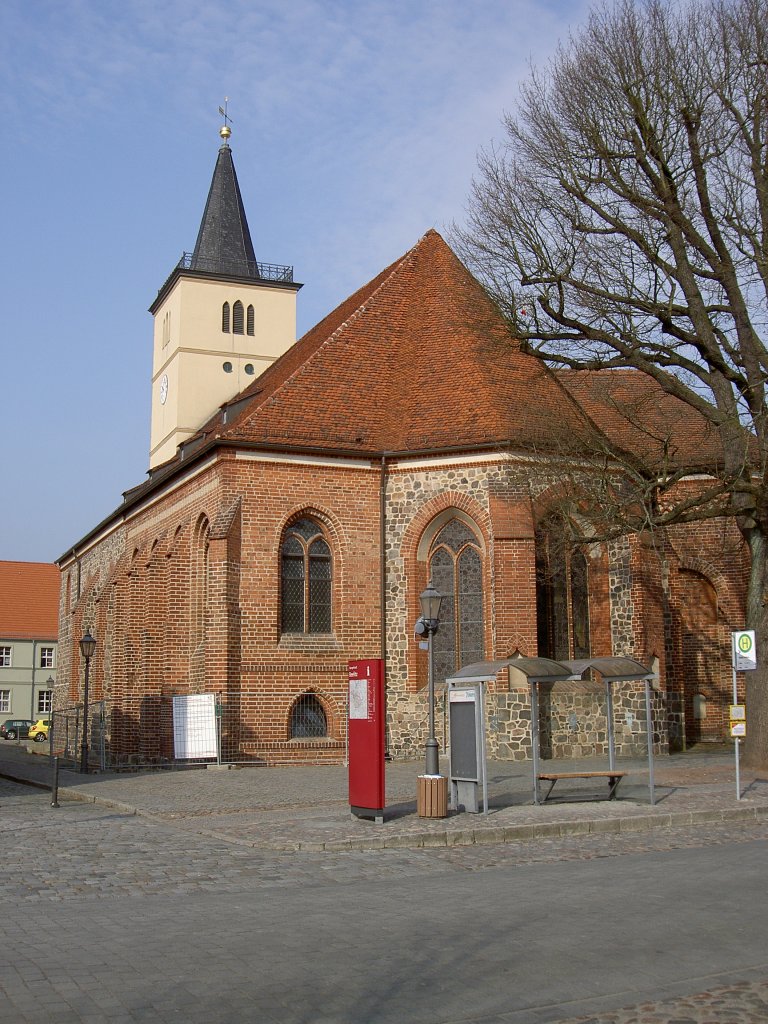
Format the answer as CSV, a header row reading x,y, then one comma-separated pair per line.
x,y
237,318
308,720
562,591
225,318
306,575
249,320
456,569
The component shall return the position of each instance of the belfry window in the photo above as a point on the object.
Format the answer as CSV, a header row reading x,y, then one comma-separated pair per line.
x,y
249,320
306,577
456,569
225,318
562,591
237,318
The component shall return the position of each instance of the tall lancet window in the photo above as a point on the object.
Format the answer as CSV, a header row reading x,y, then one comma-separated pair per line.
x,y
456,569
562,591
249,320
306,573
225,318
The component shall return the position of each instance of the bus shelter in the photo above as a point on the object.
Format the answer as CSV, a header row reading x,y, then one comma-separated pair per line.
x,y
536,671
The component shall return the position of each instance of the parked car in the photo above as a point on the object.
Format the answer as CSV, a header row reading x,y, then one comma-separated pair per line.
x,y
39,731
16,728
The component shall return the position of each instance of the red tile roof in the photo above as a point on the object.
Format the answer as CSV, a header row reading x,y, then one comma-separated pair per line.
x,y
29,601
419,358
631,409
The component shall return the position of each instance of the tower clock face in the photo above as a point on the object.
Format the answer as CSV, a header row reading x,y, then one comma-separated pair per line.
x,y
163,388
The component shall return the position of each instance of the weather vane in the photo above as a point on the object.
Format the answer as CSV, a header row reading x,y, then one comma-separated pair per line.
x,y
225,131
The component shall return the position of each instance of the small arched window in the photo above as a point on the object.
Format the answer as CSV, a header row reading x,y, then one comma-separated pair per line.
x,y
456,569
306,576
225,318
308,720
249,320
237,318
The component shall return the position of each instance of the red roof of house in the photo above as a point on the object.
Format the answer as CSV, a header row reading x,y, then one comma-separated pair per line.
x,y
29,601
638,417
419,358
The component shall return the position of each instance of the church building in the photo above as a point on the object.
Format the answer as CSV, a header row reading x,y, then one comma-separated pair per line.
x,y
302,493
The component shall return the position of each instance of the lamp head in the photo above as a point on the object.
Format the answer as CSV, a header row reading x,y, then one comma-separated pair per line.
x,y
87,645
430,601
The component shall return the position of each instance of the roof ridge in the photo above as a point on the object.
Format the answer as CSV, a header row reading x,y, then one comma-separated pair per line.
x,y
395,269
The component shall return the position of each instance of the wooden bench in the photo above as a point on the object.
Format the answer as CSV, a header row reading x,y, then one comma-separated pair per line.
x,y
614,778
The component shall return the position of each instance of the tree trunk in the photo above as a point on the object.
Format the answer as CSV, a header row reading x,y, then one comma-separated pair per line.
x,y
756,744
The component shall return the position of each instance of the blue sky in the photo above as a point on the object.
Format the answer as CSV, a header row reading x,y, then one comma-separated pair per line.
x,y
356,127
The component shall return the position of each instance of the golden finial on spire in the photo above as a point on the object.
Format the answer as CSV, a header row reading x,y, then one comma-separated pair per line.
x,y
225,131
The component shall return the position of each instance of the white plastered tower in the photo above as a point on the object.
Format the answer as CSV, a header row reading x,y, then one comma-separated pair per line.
x,y
219,320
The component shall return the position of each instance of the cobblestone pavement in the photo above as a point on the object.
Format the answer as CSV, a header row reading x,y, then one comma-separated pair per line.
x,y
83,854
306,808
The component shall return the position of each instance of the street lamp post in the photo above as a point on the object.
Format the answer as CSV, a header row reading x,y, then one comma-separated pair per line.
x,y
87,647
430,601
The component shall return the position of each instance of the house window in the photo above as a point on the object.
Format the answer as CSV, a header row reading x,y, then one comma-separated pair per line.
x,y
5,657
45,702
46,657
5,700
456,569
562,591
237,318
249,320
308,719
306,575
225,318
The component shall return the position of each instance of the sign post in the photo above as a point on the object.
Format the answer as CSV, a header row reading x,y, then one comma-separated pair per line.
x,y
743,659
366,738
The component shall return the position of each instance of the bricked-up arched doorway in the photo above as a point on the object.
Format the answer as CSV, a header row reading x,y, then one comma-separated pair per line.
x,y
705,659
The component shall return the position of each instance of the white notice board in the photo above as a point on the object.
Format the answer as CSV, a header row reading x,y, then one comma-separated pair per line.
x,y
194,726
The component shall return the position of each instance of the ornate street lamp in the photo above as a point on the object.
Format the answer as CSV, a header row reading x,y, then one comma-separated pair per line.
x,y
87,647
430,601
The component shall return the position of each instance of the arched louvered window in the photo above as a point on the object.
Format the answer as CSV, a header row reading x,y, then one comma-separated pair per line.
x,y
225,318
249,320
306,577
562,591
237,318
308,719
456,569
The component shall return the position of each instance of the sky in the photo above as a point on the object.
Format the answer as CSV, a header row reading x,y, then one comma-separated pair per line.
x,y
356,126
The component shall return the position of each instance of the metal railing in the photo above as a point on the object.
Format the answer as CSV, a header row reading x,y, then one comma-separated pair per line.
x,y
139,733
236,268
65,734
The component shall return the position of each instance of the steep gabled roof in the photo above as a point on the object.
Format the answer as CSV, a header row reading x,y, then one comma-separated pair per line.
x,y
29,601
638,417
418,358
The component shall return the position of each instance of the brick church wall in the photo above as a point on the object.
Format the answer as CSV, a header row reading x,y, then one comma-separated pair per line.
x,y
184,597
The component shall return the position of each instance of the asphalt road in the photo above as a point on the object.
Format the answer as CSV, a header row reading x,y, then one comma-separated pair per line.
x,y
109,917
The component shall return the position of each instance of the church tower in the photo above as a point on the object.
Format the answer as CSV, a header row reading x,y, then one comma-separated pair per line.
x,y
219,320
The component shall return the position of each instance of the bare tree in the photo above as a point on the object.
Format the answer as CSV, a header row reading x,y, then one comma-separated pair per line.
x,y
623,223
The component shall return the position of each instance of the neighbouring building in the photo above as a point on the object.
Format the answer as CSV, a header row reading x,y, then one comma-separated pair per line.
x,y
29,628
302,493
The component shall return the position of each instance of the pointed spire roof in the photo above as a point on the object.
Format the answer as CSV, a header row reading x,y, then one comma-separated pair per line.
x,y
224,243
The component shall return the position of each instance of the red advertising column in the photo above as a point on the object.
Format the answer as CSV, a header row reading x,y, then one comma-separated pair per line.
x,y
366,738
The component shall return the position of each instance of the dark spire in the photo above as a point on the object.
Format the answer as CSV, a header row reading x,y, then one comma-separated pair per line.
x,y
224,242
